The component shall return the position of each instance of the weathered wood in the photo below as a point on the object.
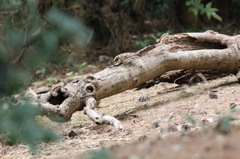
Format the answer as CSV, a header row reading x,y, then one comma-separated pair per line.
x,y
208,50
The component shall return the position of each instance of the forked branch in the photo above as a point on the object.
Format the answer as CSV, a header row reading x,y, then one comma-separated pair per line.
x,y
208,50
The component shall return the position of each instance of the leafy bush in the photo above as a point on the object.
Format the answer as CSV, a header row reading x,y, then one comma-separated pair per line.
x,y
197,7
150,39
29,40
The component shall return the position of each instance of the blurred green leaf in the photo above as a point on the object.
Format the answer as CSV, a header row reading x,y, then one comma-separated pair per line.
x,y
224,126
153,36
29,41
170,31
195,11
102,154
82,65
69,25
190,119
41,71
19,122
216,16
51,79
188,3
70,73
160,34
197,6
209,5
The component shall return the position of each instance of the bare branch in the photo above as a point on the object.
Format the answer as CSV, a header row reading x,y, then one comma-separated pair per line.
x,y
99,119
208,51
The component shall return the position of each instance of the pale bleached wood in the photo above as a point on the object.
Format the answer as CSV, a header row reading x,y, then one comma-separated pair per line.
x,y
208,50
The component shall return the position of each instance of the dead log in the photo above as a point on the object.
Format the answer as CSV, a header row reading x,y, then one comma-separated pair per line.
x,y
209,51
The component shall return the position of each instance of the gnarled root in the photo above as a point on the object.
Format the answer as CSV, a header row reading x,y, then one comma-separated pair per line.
x,y
98,118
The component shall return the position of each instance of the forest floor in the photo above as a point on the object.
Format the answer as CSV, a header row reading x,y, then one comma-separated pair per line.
x,y
175,122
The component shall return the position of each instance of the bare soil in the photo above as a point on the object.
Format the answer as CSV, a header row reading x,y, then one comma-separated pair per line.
x,y
175,122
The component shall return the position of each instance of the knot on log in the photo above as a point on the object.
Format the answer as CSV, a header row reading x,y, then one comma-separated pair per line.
x,y
89,89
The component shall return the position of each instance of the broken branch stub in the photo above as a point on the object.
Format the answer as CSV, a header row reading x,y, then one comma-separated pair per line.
x,y
61,102
66,100
208,50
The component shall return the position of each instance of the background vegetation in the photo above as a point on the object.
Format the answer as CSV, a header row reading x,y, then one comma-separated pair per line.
x,y
37,37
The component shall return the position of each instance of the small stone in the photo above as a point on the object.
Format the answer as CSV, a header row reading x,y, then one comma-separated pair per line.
x,y
177,148
129,133
173,128
213,95
196,156
143,97
164,130
108,131
99,132
185,128
228,146
102,142
72,134
155,125
220,138
142,138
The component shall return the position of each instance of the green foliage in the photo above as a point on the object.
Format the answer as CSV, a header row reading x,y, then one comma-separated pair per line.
x,y
51,79
232,107
80,71
190,119
18,122
236,2
102,154
11,80
197,30
124,3
68,26
210,12
71,73
41,71
150,39
156,8
142,44
79,123
81,66
28,42
153,8
224,125
197,7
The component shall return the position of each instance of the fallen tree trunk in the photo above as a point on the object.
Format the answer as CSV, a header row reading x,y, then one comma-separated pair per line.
x,y
208,50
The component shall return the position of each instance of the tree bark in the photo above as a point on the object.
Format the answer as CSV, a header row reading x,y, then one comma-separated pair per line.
x,y
208,50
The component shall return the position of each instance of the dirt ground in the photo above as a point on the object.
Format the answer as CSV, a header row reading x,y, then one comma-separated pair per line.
x,y
175,122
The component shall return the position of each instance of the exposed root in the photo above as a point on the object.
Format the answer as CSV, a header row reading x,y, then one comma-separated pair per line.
x,y
98,118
